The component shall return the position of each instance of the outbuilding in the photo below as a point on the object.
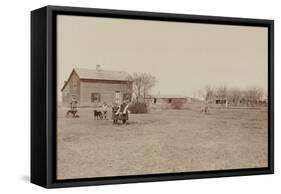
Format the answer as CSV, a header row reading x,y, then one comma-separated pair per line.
x,y
168,101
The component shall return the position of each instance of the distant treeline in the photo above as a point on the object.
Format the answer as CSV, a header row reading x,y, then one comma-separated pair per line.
x,y
251,96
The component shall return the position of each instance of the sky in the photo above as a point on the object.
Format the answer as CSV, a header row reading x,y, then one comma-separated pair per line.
x,y
184,57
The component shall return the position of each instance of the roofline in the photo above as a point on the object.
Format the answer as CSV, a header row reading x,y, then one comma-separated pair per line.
x,y
164,97
83,79
65,83
92,79
171,97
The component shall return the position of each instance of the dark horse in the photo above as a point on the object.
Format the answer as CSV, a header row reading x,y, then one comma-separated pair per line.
x,y
97,114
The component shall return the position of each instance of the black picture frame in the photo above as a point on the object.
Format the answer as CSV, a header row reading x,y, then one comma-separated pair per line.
x,y
43,95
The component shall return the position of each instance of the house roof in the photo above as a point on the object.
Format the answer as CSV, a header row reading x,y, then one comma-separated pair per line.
x,y
168,96
102,74
93,74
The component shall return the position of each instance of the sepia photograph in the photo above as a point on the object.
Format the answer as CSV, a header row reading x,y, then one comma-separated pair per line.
x,y
139,97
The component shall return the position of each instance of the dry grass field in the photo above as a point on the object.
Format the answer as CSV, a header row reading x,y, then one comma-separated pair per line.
x,y
161,142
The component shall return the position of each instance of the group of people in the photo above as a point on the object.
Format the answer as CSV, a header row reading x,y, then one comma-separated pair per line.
x,y
119,110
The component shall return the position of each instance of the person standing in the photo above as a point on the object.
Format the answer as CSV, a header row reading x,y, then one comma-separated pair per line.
x,y
73,104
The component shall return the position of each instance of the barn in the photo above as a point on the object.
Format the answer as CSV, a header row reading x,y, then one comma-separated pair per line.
x,y
91,87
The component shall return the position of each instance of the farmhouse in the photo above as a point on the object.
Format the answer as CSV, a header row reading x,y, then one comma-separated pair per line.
x,y
91,87
167,101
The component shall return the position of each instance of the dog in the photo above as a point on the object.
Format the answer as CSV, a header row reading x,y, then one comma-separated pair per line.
x,y
98,114
73,113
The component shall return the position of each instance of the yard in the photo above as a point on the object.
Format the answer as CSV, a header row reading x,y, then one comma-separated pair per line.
x,y
161,142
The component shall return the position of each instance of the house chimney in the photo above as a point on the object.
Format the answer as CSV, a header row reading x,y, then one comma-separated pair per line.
x,y
98,67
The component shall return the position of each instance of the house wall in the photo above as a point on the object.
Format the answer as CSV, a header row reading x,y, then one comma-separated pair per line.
x,y
65,95
107,90
71,90
165,103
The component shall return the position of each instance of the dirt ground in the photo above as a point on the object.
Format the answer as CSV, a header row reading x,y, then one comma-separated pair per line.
x,y
161,142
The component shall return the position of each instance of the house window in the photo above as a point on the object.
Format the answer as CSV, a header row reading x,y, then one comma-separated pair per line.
x,y
170,100
154,100
95,97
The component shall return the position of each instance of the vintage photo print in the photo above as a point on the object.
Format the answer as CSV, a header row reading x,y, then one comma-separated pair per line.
x,y
138,97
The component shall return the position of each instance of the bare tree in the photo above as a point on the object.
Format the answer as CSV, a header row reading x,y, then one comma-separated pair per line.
x,y
128,86
148,82
234,95
207,93
222,93
142,84
253,95
137,85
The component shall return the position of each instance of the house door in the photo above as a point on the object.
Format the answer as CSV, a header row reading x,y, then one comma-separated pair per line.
x,y
118,97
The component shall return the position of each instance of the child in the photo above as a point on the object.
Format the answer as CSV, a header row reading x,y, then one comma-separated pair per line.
x,y
122,112
73,104
115,108
104,110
